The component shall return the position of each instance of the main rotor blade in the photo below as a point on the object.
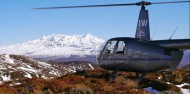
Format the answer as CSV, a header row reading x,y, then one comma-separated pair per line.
x,y
170,2
142,3
107,5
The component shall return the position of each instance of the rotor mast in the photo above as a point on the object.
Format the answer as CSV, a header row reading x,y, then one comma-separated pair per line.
x,y
143,4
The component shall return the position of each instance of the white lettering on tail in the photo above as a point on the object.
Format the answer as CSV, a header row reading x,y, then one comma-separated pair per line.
x,y
143,22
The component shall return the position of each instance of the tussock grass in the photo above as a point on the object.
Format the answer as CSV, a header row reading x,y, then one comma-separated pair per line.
x,y
95,82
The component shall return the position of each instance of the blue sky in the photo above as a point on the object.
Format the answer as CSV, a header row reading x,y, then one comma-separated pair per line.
x,y
19,23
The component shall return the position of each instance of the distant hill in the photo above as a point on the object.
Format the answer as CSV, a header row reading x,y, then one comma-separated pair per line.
x,y
58,47
17,67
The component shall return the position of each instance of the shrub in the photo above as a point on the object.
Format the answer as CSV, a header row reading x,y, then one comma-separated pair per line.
x,y
120,87
133,91
127,74
121,83
22,88
120,80
37,91
169,92
73,79
57,86
17,75
95,84
81,89
39,84
154,76
131,84
173,88
97,73
6,89
22,58
179,76
108,88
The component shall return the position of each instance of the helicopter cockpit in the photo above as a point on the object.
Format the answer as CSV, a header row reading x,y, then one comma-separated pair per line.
x,y
115,46
115,49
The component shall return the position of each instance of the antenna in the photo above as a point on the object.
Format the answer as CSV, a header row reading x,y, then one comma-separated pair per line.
x,y
173,33
153,35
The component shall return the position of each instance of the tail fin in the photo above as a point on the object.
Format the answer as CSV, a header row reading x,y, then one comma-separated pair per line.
x,y
143,30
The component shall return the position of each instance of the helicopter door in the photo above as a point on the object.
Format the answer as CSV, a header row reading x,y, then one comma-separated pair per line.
x,y
120,52
108,51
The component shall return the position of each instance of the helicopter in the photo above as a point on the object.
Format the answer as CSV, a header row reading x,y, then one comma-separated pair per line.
x,y
139,54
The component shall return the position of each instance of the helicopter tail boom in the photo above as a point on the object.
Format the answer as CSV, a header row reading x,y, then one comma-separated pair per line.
x,y
182,44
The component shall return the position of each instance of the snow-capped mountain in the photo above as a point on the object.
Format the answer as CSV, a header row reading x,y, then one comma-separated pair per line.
x,y
57,46
17,67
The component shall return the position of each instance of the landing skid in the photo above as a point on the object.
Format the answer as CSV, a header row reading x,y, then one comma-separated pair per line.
x,y
141,76
113,75
164,75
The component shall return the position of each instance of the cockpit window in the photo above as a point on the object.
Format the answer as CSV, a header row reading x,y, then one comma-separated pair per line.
x,y
121,47
110,46
115,46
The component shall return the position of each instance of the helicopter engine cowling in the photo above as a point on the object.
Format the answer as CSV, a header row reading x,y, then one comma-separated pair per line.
x,y
176,58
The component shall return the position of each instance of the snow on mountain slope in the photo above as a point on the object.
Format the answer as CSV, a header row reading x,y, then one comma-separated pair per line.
x,y
14,67
56,45
17,67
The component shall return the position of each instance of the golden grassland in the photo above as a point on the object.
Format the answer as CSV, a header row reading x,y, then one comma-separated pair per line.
x,y
96,82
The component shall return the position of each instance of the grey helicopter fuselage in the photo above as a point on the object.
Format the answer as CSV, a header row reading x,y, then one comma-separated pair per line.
x,y
130,54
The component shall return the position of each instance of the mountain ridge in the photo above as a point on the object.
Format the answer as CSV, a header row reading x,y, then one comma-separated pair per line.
x,y
57,45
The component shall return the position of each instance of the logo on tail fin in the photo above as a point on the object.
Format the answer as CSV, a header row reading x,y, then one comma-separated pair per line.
x,y
142,34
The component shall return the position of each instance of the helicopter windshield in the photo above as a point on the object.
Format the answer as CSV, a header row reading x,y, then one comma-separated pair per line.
x,y
101,48
109,48
115,46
